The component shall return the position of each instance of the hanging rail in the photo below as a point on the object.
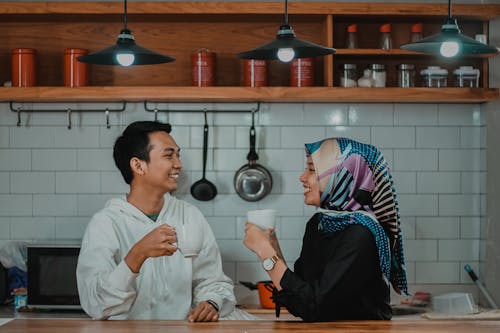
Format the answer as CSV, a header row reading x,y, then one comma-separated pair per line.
x,y
156,110
68,111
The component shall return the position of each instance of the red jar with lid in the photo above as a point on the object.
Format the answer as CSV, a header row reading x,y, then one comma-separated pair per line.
x,y
75,72
302,72
24,67
254,73
203,68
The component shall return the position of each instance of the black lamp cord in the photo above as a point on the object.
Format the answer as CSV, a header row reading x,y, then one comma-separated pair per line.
x,y
124,14
286,12
449,9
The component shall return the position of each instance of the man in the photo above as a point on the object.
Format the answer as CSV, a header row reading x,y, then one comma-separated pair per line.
x,y
129,265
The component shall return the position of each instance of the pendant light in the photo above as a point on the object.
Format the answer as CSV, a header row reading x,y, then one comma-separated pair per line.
x,y
286,47
125,52
450,42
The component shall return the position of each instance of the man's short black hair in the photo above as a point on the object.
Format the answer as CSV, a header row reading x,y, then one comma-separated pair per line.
x,y
134,142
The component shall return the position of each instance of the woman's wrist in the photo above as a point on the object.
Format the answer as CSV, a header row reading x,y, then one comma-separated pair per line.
x,y
266,252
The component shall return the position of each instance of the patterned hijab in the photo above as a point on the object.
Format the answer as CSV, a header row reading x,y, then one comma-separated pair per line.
x,y
356,187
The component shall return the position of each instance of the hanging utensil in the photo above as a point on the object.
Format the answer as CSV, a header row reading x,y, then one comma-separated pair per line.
x,y
203,189
252,181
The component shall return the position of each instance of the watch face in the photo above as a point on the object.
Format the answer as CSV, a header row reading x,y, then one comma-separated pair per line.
x,y
268,264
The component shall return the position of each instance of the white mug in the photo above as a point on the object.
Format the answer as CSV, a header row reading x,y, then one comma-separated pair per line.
x,y
189,239
263,218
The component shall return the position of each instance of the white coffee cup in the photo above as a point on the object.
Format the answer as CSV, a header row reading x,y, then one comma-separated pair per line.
x,y
189,239
264,218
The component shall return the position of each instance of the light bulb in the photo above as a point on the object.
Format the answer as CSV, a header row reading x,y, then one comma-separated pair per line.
x,y
449,49
125,59
286,54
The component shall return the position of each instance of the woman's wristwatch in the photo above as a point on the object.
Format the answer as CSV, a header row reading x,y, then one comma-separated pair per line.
x,y
268,263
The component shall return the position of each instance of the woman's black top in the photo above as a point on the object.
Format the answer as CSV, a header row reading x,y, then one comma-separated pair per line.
x,y
337,277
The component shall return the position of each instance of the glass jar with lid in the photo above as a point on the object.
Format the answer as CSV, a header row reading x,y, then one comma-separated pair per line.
x,y
466,77
348,78
434,77
352,36
379,75
406,75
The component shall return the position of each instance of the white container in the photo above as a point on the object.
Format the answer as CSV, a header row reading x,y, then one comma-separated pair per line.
x,y
466,77
366,80
454,303
434,77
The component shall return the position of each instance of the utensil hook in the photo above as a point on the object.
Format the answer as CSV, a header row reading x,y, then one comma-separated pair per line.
x,y
69,118
18,116
108,126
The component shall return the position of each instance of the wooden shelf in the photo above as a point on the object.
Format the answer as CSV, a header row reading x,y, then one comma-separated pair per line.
x,y
244,94
180,28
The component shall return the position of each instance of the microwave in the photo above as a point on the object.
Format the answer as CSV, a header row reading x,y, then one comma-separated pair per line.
x,y
52,276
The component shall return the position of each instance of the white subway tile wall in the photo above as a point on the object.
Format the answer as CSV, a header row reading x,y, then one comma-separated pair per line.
x,y
52,180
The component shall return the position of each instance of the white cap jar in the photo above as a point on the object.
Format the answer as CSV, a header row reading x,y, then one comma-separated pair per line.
x,y
434,77
466,77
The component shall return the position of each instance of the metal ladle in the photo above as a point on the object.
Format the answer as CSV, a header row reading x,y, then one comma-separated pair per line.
x,y
203,189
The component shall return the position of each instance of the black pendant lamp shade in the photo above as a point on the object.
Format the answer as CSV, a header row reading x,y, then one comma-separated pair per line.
x,y
286,47
125,52
450,42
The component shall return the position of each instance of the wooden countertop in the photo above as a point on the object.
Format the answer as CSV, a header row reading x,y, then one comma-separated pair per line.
x,y
156,326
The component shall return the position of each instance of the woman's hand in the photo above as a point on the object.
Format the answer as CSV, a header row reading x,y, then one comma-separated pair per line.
x,y
259,241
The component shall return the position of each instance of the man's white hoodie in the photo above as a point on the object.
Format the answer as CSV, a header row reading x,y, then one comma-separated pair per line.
x,y
166,287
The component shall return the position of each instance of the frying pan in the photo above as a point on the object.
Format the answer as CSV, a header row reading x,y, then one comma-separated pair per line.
x,y
252,181
203,189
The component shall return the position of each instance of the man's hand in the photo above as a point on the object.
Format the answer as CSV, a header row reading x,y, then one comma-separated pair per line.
x,y
204,311
158,242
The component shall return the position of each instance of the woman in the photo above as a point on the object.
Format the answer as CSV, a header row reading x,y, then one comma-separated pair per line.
x,y
352,248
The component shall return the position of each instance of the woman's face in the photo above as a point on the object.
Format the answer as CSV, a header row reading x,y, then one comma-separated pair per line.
x,y
310,182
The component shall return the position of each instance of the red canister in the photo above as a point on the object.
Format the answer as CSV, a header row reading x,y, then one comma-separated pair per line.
x,y
24,68
203,68
75,72
254,73
302,72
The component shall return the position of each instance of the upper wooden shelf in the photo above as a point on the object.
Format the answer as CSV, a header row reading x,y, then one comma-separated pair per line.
x,y
483,12
244,94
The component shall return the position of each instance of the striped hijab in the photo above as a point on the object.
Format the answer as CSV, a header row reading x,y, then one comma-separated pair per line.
x,y
356,187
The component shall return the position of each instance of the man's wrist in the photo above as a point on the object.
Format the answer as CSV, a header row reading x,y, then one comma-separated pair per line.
x,y
212,303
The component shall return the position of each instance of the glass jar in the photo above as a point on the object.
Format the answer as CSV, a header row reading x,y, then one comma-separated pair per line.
x,y
385,37
378,75
416,32
466,77
348,79
406,75
434,77
352,36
